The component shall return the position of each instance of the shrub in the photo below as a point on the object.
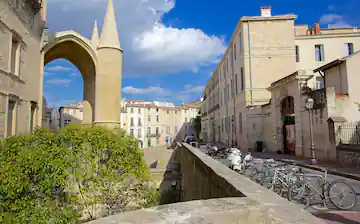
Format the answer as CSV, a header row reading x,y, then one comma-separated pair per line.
x,y
79,174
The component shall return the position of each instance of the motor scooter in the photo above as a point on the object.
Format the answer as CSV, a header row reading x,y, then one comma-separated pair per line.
x,y
212,150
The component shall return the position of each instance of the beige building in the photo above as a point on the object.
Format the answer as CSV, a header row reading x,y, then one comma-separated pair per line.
x,y
159,123
21,26
72,113
264,52
26,47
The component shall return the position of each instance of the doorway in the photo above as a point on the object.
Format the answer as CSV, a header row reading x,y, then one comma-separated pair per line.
x,y
288,120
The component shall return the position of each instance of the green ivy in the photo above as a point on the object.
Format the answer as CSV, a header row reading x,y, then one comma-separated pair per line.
x,y
78,174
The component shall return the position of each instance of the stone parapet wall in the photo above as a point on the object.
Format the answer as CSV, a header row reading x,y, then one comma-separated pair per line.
x,y
348,155
214,194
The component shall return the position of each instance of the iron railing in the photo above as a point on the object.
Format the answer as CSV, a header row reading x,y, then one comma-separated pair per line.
x,y
348,133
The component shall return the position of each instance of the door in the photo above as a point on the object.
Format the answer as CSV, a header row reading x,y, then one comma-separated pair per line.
x,y
289,139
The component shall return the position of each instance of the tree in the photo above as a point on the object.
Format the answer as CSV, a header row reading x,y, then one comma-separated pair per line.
x,y
197,126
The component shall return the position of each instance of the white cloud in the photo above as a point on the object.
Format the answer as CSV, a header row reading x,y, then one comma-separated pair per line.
x,y
166,94
59,68
64,82
48,73
75,74
60,103
334,21
149,46
143,91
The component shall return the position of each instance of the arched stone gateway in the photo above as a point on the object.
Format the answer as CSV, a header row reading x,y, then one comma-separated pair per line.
x,y
100,63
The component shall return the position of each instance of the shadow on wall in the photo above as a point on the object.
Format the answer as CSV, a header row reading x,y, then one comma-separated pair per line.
x,y
170,186
187,129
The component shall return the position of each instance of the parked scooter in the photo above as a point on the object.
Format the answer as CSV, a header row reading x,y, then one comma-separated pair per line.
x,y
212,150
238,161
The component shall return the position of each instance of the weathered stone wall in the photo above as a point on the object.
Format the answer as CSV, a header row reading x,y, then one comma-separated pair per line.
x,y
232,198
348,155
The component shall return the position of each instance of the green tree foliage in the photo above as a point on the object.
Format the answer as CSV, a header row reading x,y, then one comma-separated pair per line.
x,y
79,174
197,126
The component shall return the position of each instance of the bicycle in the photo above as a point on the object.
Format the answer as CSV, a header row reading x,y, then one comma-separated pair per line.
x,y
308,192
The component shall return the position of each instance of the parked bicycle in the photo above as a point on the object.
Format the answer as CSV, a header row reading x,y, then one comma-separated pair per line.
x,y
304,191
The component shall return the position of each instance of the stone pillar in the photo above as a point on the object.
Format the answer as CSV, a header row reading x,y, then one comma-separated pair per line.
x,y
39,109
89,99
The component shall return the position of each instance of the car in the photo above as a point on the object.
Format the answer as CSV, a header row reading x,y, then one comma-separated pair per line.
x,y
189,139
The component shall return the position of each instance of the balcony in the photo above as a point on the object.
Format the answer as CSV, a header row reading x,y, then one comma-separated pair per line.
x,y
153,135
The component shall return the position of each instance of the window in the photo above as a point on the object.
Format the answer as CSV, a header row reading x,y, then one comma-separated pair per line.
x,y
11,116
242,86
132,121
148,109
319,52
349,49
168,129
139,121
139,133
236,84
32,114
157,131
319,82
132,110
139,111
176,129
240,42
232,87
167,112
234,52
15,56
221,98
240,123
185,111
185,119
157,118
157,141
157,109
149,131
297,53
131,132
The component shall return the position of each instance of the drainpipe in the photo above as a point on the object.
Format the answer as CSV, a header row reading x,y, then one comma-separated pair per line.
x,y
250,67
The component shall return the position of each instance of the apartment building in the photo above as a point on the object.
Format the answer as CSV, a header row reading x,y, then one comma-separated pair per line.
x,y
135,110
21,28
262,50
73,113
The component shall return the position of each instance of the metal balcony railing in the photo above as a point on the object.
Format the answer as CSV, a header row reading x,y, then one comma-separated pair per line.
x,y
153,135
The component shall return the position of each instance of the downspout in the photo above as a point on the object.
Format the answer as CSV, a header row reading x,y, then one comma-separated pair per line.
x,y
250,67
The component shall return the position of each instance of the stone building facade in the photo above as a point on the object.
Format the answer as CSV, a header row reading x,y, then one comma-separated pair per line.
x,y
21,28
266,55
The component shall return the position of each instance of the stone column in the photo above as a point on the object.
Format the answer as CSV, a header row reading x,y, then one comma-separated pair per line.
x,y
89,99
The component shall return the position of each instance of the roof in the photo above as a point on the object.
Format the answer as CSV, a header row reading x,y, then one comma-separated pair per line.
x,y
335,62
262,18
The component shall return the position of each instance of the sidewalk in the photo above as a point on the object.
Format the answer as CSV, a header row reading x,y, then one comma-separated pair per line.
x,y
335,169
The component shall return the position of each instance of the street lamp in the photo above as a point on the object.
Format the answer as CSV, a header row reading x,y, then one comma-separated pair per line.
x,y
309,105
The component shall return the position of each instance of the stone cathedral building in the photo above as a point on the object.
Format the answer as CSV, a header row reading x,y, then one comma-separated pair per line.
x,y
26,47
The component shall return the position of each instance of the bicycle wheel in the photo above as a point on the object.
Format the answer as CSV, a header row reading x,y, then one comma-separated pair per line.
x,y
351,192
298,191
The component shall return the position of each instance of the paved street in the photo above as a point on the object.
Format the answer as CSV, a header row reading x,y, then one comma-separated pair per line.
x,y
332,215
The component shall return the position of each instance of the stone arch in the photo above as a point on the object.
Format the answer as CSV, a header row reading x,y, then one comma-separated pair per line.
x,y
78,50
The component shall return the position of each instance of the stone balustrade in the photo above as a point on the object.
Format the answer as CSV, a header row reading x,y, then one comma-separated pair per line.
x,y
212,193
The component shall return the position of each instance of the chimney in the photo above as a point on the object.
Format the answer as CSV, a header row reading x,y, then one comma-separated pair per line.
x,y
265,11
310,30
317,28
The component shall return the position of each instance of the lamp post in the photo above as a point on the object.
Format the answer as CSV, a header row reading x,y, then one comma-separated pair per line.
x,y
309,105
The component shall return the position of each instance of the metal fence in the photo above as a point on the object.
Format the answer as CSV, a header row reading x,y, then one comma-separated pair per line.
x,y
349,133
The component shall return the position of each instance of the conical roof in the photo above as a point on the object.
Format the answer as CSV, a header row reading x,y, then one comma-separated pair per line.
x,y
109,35
95,35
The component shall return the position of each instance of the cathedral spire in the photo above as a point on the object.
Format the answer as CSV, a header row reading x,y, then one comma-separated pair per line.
x,y
95,35
109,35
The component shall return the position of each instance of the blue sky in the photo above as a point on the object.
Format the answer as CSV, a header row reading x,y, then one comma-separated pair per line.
x,y
170,47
